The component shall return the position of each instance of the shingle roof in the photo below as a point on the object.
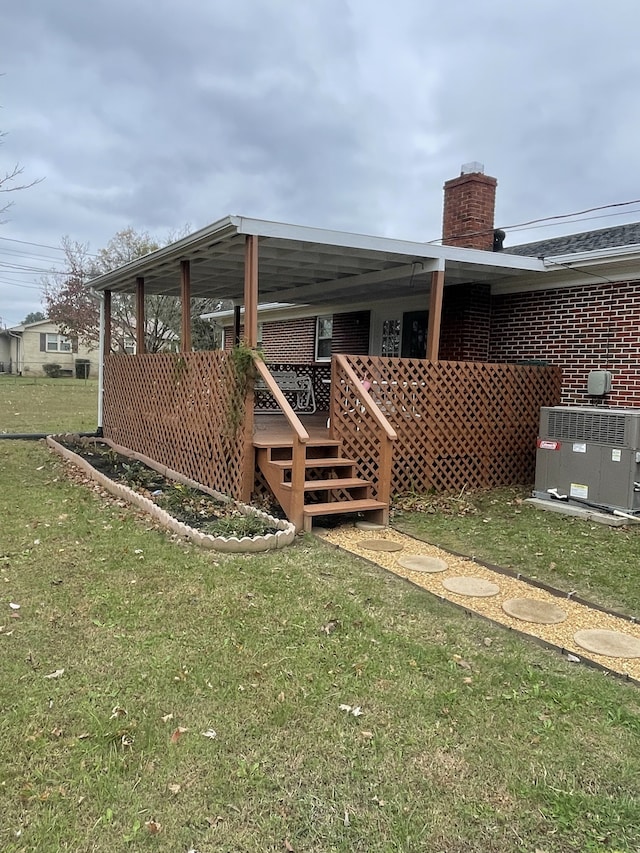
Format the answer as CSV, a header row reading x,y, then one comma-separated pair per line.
x,y
586,241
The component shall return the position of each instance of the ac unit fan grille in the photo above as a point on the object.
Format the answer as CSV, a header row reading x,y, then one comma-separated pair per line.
x,y
587,426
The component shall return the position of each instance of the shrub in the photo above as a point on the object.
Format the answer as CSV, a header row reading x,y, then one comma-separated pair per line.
x,y
53,370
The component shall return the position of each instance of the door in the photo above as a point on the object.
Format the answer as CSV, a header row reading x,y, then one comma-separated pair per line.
x,y
414,334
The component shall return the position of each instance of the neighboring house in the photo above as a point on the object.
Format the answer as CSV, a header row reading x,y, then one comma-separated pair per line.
x,y
582,314
28,349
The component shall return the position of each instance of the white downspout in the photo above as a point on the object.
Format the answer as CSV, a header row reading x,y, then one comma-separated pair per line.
x,y
101,364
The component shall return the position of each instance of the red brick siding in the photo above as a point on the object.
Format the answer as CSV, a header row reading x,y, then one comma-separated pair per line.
x,y
351,333
466,322
294,341
580,329
291,341
469,207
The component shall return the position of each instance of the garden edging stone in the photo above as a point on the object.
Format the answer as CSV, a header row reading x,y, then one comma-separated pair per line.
x,y
284,536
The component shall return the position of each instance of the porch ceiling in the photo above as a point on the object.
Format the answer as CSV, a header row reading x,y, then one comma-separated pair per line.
x,y
308,265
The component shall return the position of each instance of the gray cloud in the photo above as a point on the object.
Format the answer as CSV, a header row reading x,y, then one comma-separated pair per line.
x,y
338,113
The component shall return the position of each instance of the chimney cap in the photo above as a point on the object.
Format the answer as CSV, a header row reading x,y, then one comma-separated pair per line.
x,y
472,168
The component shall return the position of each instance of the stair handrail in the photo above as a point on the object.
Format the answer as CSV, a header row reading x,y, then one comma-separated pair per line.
x,y
272,386
298,450
366,399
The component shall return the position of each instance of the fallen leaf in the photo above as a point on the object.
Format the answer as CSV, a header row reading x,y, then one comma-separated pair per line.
x,y
487,641
14,606
367,735
346,708
175,737
166,718
346,820
126,740
153,826
330,627
287,846
464,664
281,696
210,733
467,680
357,712
55,674
56,732
117,712
175,788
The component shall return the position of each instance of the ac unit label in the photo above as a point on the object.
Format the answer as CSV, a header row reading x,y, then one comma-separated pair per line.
x,y
578,490
616,455
548,444
579,447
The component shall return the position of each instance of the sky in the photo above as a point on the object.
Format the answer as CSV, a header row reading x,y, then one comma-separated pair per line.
x,y
345,114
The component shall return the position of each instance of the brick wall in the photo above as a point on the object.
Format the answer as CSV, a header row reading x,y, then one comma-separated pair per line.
x,y
351,333
294,341
579,329
290,341
469,207
466,321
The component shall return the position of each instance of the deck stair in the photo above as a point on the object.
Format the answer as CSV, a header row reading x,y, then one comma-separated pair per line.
x,y
331,484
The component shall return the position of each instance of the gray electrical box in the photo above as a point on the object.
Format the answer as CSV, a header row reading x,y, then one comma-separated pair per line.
x,y
591,455
599,383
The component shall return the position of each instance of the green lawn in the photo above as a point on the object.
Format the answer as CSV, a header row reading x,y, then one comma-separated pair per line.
x,y
470,739
42,405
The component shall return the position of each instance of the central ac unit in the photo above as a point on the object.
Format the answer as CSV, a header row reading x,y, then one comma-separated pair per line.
x,y
591,456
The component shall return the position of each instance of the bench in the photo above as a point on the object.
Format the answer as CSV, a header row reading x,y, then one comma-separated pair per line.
x,y
290,382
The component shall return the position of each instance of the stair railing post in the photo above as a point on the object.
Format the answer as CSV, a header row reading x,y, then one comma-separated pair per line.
x,y
298,473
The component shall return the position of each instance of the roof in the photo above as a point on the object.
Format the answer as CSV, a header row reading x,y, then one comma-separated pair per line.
x,y
307,265
585,241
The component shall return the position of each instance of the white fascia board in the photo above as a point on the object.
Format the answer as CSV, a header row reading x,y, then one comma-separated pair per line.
x,y
614,254
410,248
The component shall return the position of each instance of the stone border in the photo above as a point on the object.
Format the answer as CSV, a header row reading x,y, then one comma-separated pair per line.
x,y
231,544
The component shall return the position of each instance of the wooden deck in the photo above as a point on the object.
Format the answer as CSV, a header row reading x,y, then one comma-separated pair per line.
x,y
273,430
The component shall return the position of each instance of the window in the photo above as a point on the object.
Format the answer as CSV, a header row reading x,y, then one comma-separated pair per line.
x,y
58,343
390,345
324,335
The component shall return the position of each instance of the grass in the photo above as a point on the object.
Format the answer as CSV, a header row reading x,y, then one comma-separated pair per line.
x,y
470,739
599,563
42,405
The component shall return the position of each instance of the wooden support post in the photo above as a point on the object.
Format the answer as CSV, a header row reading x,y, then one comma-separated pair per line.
x,y
236,325
435,315
250,340
106,342
140,318
185,304
251,291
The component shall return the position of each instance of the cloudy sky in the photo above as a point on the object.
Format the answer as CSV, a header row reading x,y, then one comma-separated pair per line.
x,y
346,114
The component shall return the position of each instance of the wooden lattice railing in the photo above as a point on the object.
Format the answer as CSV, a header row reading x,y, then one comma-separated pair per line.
x,y
184,411
362,427
459,424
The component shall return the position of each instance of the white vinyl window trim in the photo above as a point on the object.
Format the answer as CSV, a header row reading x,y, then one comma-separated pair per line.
x,y
324,337
58,343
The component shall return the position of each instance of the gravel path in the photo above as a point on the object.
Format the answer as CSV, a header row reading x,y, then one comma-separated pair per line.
x,y
579,616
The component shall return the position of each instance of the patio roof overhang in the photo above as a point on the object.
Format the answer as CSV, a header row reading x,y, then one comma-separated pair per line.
x,y
304,265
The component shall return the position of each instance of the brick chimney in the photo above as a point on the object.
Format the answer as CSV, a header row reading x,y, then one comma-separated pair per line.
x,y
469,205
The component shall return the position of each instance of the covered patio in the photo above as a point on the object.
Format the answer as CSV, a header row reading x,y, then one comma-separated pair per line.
x,y
390,424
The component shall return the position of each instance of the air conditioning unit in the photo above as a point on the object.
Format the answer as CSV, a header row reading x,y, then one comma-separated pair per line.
x,y
590,456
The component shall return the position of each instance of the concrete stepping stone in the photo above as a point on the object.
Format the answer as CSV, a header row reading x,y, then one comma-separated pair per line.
x,y
423,563
380,545
471,586
611,644
534,610
369,525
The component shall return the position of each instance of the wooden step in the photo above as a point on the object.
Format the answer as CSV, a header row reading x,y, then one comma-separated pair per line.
x,y
331,462
287,442
338,507
330,485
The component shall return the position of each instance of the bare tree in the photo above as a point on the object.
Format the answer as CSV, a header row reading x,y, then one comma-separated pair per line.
x,y
10,181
